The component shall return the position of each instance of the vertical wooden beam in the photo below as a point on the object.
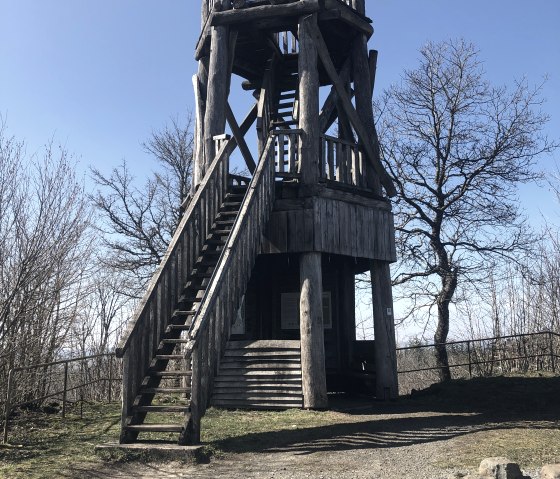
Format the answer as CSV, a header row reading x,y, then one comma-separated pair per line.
x,y
386,381
308,102
313,376
363,96
200,83
218,82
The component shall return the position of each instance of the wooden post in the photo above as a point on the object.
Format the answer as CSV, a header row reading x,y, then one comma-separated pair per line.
x,y
308,102
218,81
313,377
386,381
363,95
200,83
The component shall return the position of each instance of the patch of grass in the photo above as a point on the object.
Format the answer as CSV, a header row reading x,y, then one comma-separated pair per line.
x,y
45,445
528,447
234,430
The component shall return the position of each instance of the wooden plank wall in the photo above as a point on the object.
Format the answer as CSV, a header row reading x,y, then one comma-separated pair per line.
x,y
330,226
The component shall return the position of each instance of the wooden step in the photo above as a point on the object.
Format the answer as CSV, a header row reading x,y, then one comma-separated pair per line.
x,y
265,343
169,357
262,353
227,214
175,341
257,404
261,365
221,232
232,204
155,428
229,222
164,390
257,390
169,374
162,408
178,327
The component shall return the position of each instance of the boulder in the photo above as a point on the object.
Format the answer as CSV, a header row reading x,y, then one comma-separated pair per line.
x,y
550,471
500,468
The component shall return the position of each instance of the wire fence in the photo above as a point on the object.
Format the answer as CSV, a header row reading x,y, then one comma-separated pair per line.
x,y
520,353
67,382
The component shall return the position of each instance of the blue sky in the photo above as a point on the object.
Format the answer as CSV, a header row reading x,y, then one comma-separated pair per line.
x,y
98,76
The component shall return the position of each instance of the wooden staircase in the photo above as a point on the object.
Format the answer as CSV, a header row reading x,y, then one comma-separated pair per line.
x,y
285,115
163,397
259,375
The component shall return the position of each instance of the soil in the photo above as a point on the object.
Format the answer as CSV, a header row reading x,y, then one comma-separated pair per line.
x,y
421,437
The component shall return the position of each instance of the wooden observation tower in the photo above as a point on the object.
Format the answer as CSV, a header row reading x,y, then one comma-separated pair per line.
x,y
253,305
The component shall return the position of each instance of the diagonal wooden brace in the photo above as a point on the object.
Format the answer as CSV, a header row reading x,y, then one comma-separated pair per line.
x,y
368,141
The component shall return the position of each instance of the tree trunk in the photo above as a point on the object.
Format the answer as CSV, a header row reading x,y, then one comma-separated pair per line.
x,y
449,285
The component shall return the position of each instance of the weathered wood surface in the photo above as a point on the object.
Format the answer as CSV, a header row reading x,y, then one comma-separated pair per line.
x,y
363,99
332,226
286,155
308,102
212,322
361,130
143,334
313,375
217,91
386,377
342,161
265,12
240,139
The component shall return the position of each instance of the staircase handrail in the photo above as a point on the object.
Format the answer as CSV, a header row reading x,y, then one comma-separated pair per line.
x,y
211,325
264,168
217,174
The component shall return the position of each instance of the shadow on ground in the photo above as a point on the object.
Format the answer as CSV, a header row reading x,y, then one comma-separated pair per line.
x,y
441,412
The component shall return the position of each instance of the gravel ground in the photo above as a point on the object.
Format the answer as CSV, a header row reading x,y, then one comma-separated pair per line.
x,y
381,446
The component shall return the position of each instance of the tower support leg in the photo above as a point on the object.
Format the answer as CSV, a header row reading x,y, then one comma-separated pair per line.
x,y
313,375
386,381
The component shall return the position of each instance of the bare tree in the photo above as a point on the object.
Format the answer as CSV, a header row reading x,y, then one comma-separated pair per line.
x,y
456,148
138,222
45,246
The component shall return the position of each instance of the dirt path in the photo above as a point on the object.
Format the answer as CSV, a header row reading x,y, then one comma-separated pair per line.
x,y
383,446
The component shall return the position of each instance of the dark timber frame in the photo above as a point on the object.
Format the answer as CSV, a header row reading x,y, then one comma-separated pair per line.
x,y
313,214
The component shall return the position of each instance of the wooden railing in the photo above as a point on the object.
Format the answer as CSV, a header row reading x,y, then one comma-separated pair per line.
x,y
86,378
143,334
286,152
211,325
342,161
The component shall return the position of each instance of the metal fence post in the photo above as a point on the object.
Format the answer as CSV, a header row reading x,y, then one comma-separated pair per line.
x,y
552,355
110,396
65,391
469,352
7,406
